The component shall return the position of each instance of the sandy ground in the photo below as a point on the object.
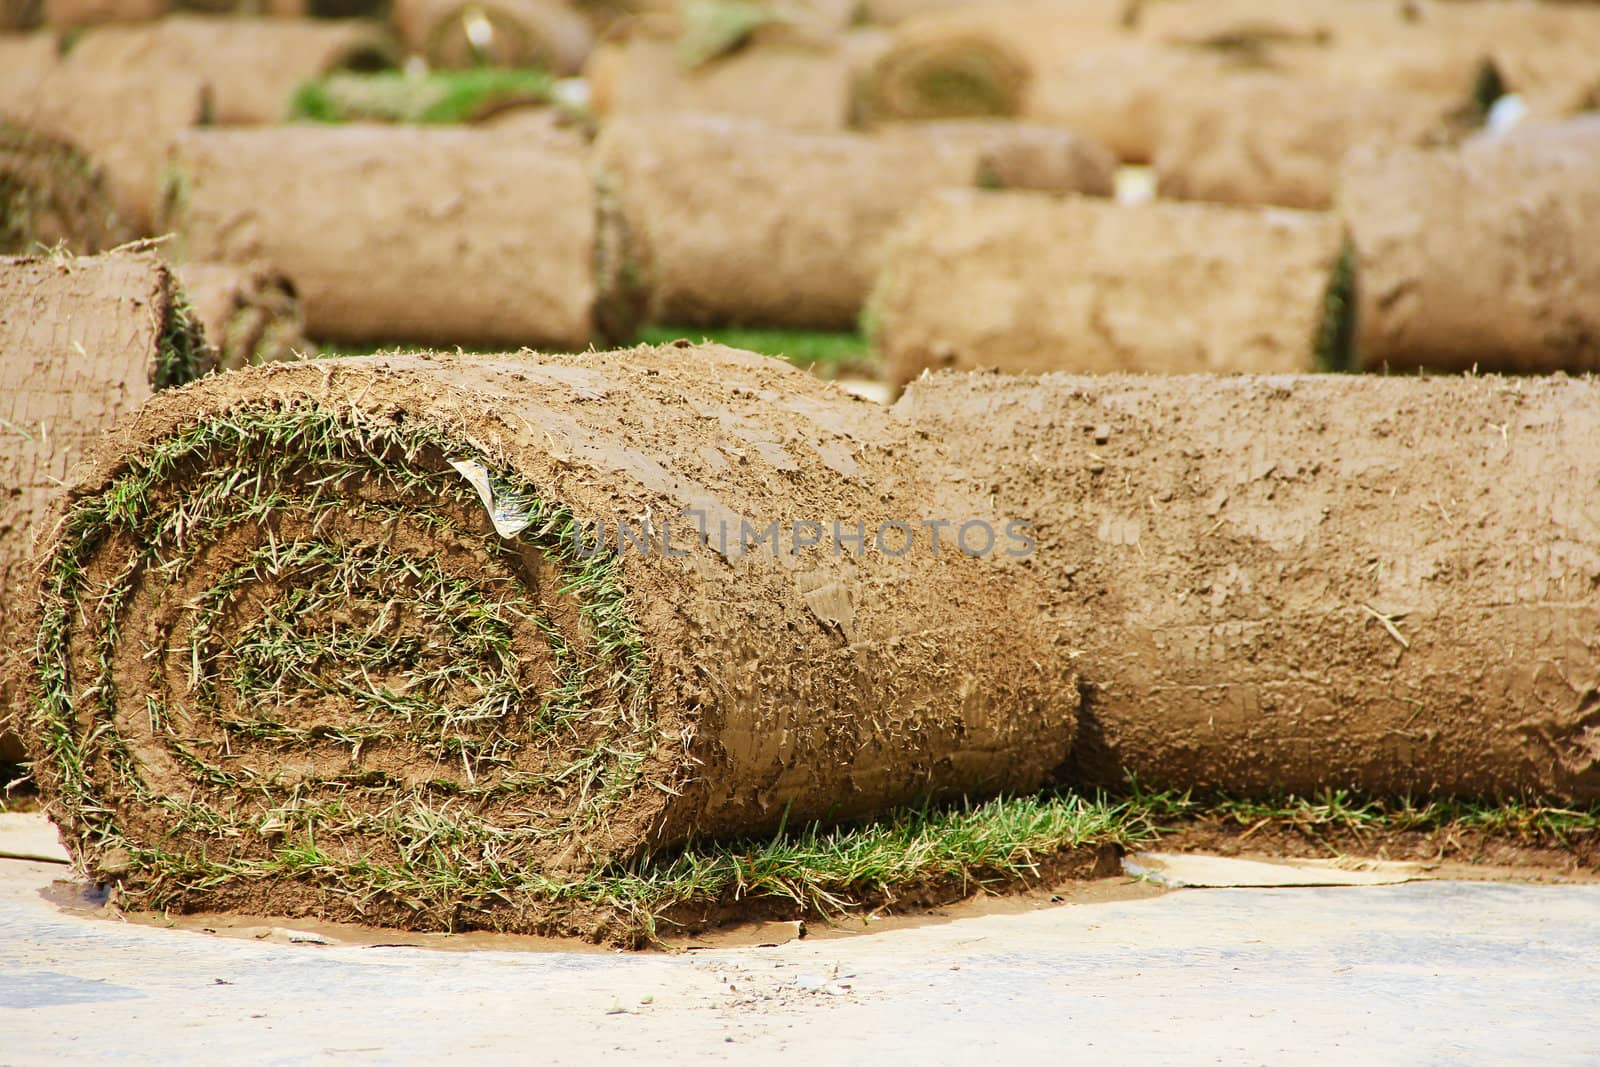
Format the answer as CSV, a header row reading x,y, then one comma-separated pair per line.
x,y
1400,973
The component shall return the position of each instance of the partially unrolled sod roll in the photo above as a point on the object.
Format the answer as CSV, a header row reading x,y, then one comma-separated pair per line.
x,y
1295,584
1029,283
1487,255
82,343
251,65
455,236
289,660
741,222
551,34
249,314
1263,139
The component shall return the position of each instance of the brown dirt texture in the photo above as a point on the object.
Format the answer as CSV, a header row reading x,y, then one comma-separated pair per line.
x,y
250,313
1162,287
1021,155
798,685
79,341
120,122
74,14
1120,91
737,221
522,33
1290,584
467,255
251,66
980,61
803,84
51,195
26,59
1487,255
1266,139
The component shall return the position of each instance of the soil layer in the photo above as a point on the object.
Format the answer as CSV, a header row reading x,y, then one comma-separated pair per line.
x,y
1290,584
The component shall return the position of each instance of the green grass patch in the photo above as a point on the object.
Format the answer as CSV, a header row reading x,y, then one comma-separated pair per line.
x,y
830,353
439,97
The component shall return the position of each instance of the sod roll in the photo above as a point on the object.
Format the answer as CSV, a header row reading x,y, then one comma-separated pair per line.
x,y
1265,139
82,343
1296,584
249,314
980,61
50,194
76,14
550,34
801,83
1487,255
746,223
251,65
288,661
456,236
117,124
1022,155
1029,283
1121,92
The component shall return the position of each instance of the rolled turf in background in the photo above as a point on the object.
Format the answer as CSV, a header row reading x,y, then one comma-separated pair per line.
x,y
457,237
1121,93
249,314
982,61
745,223
117,124
799,81
1022,155
1484,256
450,34
1264,139
251,66
1030,283
51,194
82,343
75,14
287,662
1294,584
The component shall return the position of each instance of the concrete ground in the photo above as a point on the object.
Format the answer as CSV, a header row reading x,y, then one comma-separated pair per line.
x,y
1418,972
